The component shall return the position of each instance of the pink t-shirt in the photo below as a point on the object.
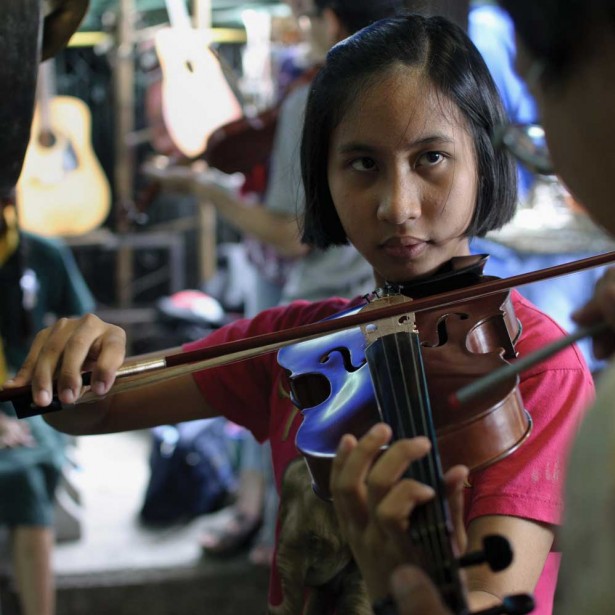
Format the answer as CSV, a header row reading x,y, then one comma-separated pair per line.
x,y
528,483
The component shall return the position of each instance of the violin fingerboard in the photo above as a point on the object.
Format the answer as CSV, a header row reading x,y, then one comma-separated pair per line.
x,y
400,387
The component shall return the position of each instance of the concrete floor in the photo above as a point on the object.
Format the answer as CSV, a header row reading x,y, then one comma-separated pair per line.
x,y
120,567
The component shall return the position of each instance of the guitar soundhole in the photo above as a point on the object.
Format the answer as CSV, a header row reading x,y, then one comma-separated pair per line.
x,y
46,138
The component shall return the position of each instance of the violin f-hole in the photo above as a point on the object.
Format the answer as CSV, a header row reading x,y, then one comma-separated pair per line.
x,y
442,330
346,358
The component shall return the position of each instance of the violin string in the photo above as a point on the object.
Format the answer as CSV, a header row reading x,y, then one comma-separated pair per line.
x,y
428,519
428,463
433,511
440,517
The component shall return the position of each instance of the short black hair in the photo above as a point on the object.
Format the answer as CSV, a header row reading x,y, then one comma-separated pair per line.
x,y
456,69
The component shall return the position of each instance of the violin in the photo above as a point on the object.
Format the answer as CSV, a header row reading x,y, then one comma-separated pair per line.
x,y
241,145
402,371
331,383
245,143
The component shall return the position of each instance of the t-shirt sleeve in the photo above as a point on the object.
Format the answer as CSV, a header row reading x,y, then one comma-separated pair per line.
x,y
65,291
241,391
238,391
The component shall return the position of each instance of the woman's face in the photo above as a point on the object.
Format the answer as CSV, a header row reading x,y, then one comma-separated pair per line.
x,y
402,174
579,121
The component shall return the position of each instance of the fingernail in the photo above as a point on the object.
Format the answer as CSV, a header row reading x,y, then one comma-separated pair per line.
x,y
68,396
376,430
43,397
99,387
344,445
10,382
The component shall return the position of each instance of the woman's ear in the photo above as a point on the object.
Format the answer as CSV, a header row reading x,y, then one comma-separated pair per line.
x,y
336,30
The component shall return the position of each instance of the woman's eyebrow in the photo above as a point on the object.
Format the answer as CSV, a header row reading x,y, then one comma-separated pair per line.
x,y
359,146
356,146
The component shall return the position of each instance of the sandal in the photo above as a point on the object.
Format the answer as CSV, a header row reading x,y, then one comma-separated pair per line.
x,y
261,555
232,537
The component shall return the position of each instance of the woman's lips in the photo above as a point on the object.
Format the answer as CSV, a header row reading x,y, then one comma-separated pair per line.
x,y
404,247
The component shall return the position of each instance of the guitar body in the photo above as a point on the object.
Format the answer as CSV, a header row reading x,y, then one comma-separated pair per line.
x,y
196,98
63,189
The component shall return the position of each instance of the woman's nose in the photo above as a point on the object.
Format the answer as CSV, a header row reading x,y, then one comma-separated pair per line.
x,y
400,201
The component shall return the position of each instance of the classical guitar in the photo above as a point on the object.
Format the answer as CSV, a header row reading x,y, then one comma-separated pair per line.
x,y
62,189
196,97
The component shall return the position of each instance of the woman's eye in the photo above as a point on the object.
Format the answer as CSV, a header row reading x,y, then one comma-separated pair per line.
x,y
363,164
430,159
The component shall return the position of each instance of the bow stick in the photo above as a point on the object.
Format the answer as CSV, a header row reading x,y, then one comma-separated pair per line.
x,y
138,374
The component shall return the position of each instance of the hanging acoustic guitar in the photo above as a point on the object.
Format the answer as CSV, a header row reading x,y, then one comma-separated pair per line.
x,y
62,189
196,97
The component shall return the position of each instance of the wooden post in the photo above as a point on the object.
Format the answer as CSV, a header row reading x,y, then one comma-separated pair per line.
x,y
123,85
207,219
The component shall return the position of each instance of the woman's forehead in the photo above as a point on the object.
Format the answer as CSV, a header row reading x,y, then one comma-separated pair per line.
x,y
402,97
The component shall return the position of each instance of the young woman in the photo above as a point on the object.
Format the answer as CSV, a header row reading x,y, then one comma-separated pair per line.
x,y
398,123
397,160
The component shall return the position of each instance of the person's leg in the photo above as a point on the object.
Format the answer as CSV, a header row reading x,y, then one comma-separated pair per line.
x,y
32,548
251,489
262,551
247,511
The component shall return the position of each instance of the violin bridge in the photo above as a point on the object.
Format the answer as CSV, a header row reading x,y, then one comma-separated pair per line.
x,y
404,323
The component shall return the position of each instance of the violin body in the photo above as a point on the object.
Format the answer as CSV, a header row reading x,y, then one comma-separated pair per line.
x,y
330,383
247,142
240,145
403,370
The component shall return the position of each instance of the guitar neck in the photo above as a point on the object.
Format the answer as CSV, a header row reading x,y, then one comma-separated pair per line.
x,y
202,13
44,93
178,14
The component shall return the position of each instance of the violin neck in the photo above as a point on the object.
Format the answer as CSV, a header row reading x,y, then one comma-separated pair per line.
x,y
400,387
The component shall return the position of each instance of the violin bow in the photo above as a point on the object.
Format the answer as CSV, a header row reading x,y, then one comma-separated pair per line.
x,y
137,374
